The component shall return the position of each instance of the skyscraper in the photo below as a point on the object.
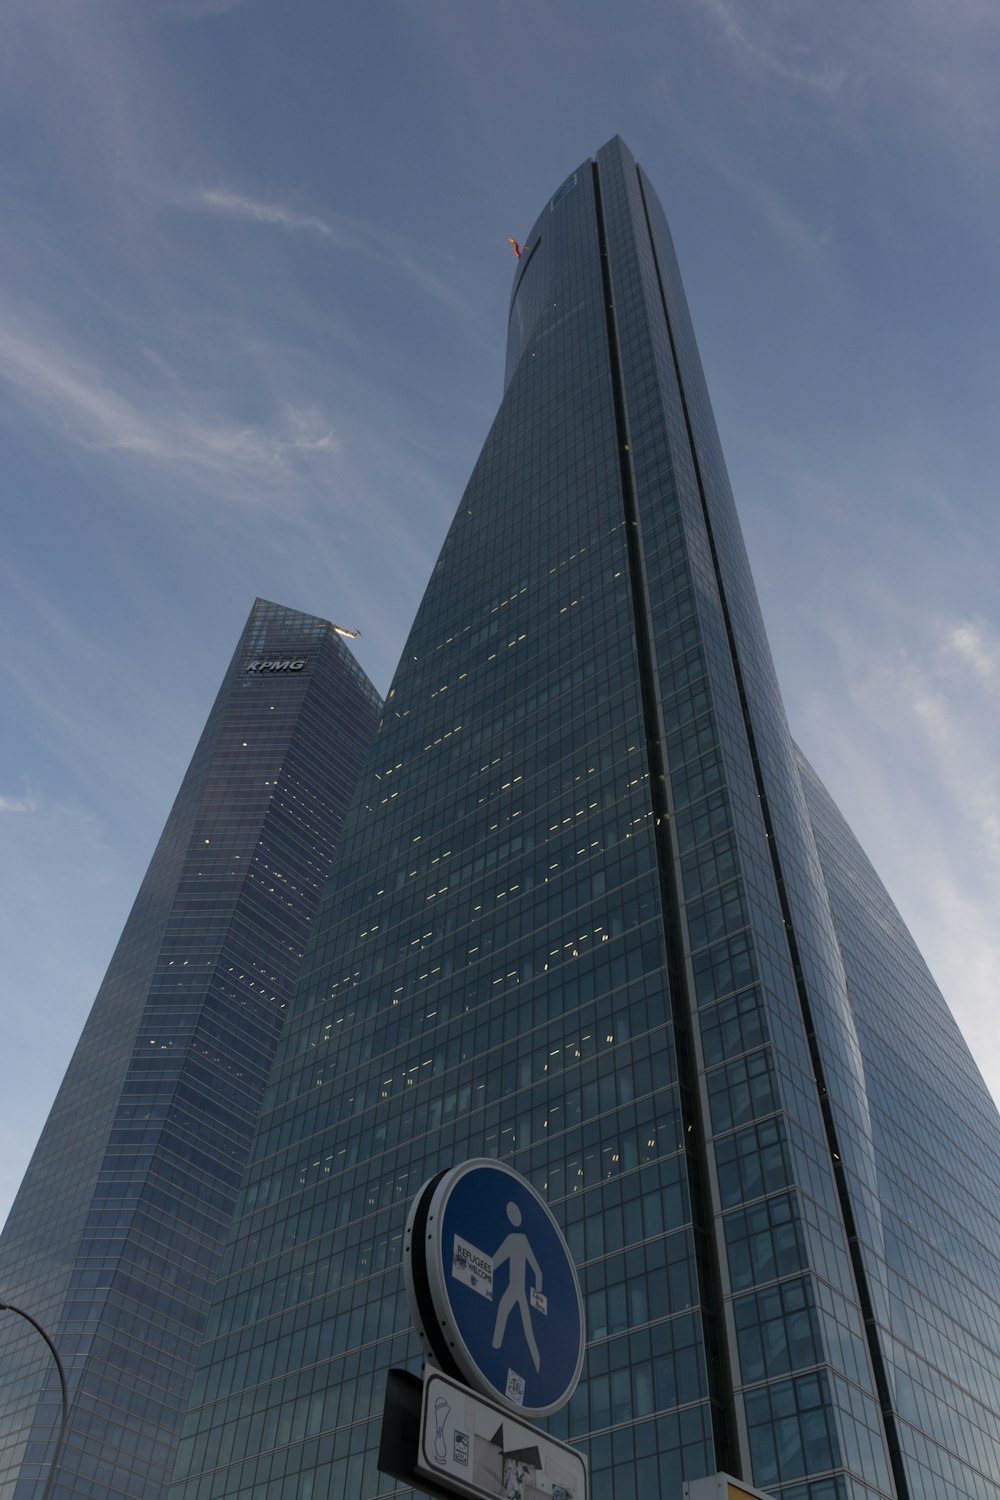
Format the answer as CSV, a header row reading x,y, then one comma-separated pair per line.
x,y
592,915
114,1239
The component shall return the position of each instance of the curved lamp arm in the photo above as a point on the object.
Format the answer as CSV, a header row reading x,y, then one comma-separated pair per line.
x,y
54,1462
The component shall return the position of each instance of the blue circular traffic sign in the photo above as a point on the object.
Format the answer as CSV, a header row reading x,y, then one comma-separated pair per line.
x,y
493,1288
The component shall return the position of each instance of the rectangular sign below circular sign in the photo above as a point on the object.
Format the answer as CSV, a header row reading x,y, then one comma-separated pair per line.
x,y
471,1447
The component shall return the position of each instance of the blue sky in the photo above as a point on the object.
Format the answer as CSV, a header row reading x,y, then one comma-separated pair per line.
x,y
253,288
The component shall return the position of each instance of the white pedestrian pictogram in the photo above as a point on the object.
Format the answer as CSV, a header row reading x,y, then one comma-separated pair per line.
x,y
518,1253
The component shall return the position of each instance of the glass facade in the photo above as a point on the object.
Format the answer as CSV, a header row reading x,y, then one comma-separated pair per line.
x,y
933,1259
579,921
114,1240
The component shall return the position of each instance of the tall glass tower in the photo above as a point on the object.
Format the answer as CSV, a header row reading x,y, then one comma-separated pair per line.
x,y
580,921
114,1239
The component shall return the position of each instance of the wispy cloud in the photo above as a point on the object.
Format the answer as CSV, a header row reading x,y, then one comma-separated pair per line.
x,y
722,152
934,687
960,725
749,166
90,405
786,222
400,253
917,64
911,757
18,804
238,206
973,645
771,52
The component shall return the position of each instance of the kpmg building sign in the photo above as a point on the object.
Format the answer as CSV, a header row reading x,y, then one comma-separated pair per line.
x,y
295,665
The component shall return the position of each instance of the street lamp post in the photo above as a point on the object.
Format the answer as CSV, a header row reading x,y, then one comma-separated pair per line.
x,y
54,1462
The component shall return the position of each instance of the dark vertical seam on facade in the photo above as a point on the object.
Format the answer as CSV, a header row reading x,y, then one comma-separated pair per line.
x,y
717,1356
864,1296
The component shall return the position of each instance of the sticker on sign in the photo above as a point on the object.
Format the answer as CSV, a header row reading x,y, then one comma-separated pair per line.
x,y
472,1267
471,1447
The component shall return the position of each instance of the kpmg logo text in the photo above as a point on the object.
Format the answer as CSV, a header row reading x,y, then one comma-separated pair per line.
x,y
276,666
